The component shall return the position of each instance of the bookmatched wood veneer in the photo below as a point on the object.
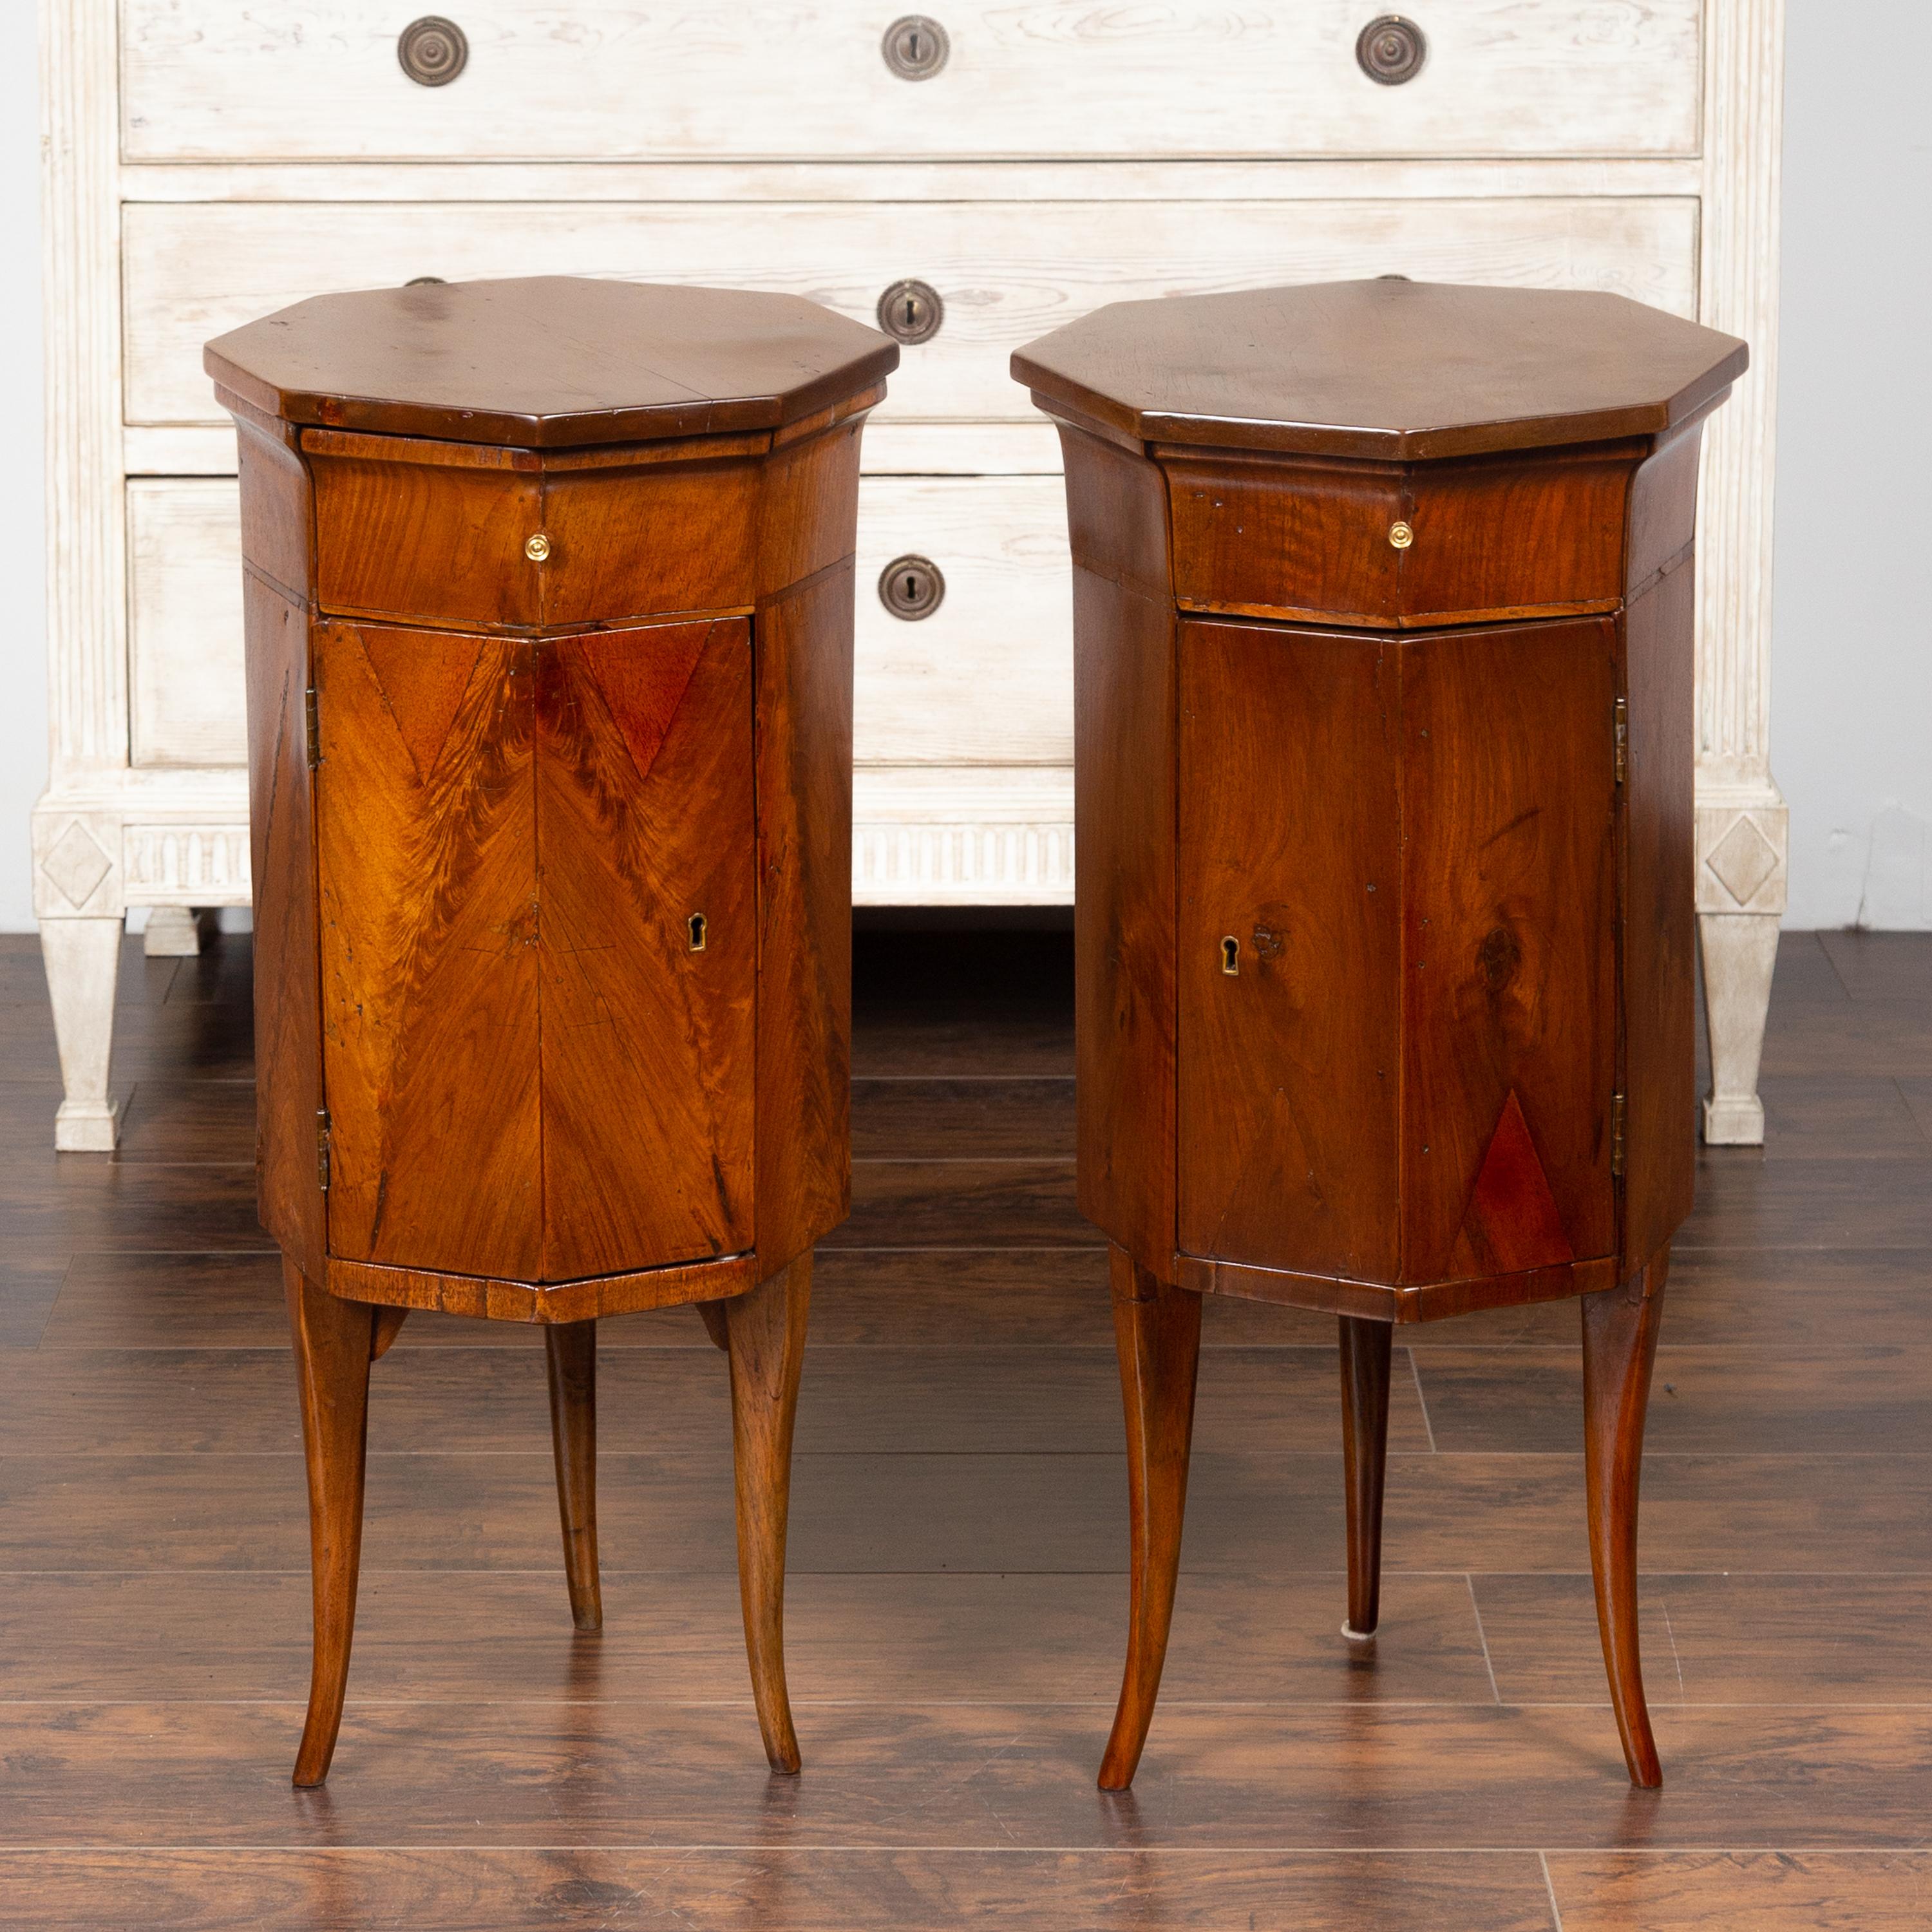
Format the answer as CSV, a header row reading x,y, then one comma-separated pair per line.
x,y
1383,731
549,594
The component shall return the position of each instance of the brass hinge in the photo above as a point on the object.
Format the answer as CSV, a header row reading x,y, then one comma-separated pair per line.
x,y
312,721
321,1149
1620,728
1616,1134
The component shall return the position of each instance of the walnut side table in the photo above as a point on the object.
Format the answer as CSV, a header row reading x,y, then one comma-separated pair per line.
x,y
1384,736
549,620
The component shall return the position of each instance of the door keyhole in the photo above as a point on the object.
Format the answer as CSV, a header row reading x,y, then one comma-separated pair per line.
x,y
697,925
1230,955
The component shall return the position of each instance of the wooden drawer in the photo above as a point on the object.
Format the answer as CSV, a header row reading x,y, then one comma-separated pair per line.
x,y
193,270
453,521
1491,537
617,80
986,679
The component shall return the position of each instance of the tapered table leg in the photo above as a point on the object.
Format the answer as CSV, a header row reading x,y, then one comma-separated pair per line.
x,y
1366,1348
333,1340
570,1350
1157,1330
765,1334
1620,1328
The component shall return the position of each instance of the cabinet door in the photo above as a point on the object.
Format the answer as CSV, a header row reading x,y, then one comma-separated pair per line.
x,y
537,1067
1509,940
1397,949
427,840
1290,855
647,945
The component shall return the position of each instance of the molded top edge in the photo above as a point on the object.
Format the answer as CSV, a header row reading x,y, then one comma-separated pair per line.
x,y
1400,370
549,362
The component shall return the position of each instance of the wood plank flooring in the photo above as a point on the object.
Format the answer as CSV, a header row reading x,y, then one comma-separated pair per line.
x,y
958,1593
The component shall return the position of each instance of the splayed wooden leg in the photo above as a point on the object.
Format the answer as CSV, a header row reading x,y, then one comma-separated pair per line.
x,y
1367,1349
333,1340
388,1325
1157,1330
570,1351
765,1330
1620,1328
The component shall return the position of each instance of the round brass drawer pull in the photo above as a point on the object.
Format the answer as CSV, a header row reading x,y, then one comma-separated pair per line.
x,y
912,587
911,311
536,548
915,47
1391,50
1401,536
433,51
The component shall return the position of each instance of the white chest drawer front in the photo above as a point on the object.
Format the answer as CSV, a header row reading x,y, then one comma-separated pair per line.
x,y
186,696
986,678
1005,272
625,80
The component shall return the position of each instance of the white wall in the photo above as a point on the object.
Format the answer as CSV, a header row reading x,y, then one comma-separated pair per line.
x,y
1851,733
1852,691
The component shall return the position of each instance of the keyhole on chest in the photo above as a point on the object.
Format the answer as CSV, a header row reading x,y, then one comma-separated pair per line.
x,y
697,925
915,47
911,310
1230,955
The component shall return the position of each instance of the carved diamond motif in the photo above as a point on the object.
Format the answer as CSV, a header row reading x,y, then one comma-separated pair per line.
x,y
77,864
1743,859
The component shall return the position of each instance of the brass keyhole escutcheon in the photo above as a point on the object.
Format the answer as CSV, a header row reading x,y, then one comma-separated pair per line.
x,y
1401,536
915,47
911,311
696,923
536,548
911,587
1391,50
432,51
1230,955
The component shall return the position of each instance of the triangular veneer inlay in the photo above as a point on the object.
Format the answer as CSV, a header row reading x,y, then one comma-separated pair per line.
x,y
1512,1222
644,682
423,684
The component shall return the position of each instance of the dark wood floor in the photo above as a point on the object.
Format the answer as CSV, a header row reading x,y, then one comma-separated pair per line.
x,y
957,1594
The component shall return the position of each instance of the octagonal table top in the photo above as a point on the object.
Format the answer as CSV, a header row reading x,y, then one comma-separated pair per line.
x,y
549,362
1390,368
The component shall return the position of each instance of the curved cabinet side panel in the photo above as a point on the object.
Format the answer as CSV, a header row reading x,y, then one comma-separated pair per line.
x,y
1123,847
288,1021
1660,922
803,649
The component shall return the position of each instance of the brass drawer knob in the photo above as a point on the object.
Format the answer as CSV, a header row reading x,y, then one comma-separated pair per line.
x,y
911,311
911,587
916,48
1401,536
1391,50
433,51
536,548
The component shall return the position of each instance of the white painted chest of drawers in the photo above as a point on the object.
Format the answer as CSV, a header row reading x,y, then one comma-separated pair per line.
x,y
209,163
